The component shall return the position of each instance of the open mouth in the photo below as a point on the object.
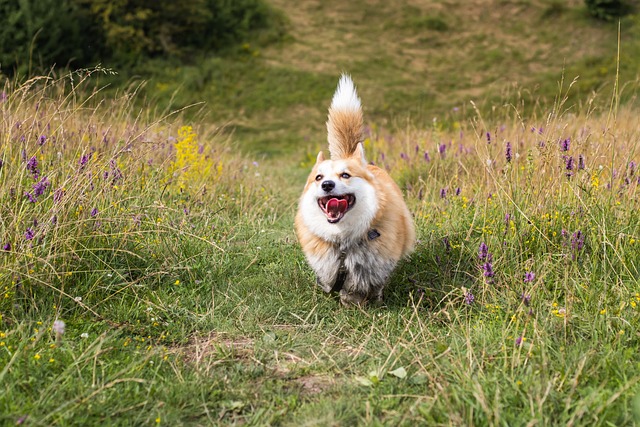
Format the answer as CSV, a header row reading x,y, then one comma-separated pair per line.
x,y
334,207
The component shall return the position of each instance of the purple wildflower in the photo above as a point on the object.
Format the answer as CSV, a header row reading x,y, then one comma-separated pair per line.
x,y
507,152
29,234
427,158
32,166
3,96
529,277
447,244
483,251
577,240
443,193
442,149
468,298
565,144
94,212
507,219
54,220
568,162
487,269
526,299
84,159
519,341
40,187
6,247
42,139
632,168
403,156
581,162
115,171
488,138
568,166
458,191
485,260
30,196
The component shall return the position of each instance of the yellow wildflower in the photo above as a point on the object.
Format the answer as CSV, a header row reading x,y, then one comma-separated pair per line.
x,y
190,164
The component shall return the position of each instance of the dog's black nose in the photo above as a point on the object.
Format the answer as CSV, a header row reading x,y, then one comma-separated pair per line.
x,y
328,185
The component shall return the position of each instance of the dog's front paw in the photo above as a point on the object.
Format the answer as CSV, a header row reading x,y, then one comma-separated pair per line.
x,y
353,299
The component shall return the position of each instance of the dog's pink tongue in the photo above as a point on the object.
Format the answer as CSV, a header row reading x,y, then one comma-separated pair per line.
x,y
335,207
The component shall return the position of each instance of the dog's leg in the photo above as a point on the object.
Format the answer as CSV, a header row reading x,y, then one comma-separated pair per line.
x,y
326,269
367,275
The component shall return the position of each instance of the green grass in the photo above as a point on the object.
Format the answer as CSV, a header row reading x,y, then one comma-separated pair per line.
x,y
410,62
188,302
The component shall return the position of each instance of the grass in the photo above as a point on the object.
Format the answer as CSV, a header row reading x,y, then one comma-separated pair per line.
x,y
411,62
186,300
170,256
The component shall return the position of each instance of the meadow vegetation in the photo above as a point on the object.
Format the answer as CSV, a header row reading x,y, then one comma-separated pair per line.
x,y
171,260
150,274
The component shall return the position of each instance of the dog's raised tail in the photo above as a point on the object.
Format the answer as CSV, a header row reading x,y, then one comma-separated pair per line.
x,y
344,125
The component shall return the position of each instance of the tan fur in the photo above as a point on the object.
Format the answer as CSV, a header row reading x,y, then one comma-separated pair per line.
x,y
344,130
379,206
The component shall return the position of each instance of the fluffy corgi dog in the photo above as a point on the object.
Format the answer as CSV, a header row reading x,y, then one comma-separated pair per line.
x,y
352,221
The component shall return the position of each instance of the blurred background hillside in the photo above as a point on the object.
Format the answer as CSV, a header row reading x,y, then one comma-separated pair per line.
x,y
266,69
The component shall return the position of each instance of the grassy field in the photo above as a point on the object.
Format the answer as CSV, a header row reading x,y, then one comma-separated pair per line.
x,y
412,60
150,274
185,300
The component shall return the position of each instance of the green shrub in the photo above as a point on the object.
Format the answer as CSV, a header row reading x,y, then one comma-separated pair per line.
x,y
609,9
37,34
43,33
160,27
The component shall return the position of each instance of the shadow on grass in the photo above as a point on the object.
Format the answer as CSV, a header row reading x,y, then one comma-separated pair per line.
x,y
435,273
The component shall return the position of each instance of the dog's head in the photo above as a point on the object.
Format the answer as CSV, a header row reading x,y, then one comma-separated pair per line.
x,y
340,199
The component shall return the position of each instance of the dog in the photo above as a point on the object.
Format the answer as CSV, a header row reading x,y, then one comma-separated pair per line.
x,y
352,221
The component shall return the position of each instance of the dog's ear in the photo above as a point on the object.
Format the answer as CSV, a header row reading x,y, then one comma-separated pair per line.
x,y
358,153
320,158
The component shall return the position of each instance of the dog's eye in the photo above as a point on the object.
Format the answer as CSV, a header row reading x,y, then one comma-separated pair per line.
x,y
319,177
345,175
